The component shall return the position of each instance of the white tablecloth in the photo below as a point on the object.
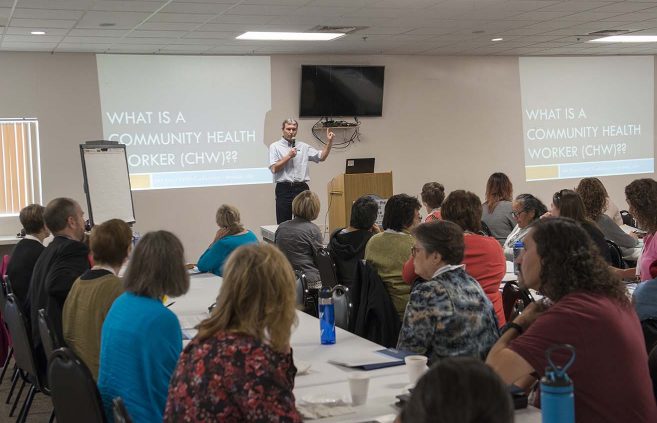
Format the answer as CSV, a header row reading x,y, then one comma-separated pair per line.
x,y
322,377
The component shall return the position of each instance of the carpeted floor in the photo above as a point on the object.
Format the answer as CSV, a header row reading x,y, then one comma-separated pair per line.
x,y
41,406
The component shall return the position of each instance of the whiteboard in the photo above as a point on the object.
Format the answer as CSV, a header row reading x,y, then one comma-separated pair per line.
x,y
107,183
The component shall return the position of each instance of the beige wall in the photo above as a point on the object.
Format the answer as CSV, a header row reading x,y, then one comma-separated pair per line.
x,y
450,119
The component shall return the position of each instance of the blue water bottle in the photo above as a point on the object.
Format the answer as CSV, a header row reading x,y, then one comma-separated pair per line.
x,y
326,317
557,389
517,249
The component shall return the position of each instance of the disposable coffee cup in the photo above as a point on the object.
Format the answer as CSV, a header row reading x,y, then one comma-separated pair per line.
x,y
358,386
416,365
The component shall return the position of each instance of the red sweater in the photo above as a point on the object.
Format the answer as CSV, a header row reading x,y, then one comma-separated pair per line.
x,y
484,260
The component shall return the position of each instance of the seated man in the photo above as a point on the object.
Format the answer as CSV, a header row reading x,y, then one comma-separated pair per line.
x,y
589,310
60,264
347,245
27,251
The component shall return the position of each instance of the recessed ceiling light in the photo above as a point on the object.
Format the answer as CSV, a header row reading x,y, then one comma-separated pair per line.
x,y
497,39
626,39
38,32
290,36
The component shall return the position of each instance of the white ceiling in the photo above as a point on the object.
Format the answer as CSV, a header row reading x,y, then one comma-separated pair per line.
x,y
426,27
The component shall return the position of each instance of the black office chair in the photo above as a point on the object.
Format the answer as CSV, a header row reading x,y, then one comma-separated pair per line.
x,y
326,267
652,367
485,230
120,412
73,389
514,300
24,357
616,255
342,306
307,299
628,219
4,283
46,332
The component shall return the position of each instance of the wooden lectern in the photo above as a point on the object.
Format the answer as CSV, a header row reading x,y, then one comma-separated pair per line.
x,y
344,189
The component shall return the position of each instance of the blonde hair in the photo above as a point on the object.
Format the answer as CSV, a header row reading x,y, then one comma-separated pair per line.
x,y
229,217
306,205
257,297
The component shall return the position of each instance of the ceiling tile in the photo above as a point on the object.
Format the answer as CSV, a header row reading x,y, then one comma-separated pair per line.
x,y
41,23
122,20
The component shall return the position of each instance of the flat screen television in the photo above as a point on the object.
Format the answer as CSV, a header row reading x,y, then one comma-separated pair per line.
x,y
329,91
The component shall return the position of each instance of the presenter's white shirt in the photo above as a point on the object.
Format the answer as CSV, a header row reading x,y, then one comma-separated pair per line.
x,y
296,169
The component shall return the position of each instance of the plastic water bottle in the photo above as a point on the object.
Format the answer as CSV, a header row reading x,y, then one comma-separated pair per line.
x,y
557,390
326,317
517,249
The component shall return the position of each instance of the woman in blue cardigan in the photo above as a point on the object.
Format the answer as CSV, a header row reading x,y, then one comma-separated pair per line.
x,y
231,234
141,339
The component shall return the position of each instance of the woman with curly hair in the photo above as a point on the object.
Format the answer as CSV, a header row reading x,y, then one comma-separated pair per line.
x,y
595,199
590,311
641,196
433,194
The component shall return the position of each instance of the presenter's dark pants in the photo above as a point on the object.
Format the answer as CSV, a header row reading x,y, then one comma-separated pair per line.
x,y
285,193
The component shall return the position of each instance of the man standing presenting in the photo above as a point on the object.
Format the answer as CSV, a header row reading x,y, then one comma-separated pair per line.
x,y
288,161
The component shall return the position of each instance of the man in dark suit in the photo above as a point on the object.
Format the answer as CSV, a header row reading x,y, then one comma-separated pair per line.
x,y
60,264
26,253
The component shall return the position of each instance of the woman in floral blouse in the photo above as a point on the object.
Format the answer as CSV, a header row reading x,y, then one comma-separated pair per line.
x,y
239,367
449,315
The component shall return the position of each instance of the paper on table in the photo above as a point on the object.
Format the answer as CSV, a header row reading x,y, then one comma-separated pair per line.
x,y
190,322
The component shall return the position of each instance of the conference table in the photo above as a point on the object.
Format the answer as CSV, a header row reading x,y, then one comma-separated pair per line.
x,y
321,379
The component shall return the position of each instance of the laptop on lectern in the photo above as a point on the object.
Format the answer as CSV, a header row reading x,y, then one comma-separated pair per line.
x,y
360,166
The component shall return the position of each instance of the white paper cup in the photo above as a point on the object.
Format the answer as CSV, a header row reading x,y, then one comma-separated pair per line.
x,y
358,386
416,365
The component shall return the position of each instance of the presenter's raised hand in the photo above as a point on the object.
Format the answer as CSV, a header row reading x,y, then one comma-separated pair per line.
x,y
329,135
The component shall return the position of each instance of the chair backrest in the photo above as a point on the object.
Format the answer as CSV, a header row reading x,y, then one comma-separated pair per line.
x,y
514,300
23,352
3,265
616,255
46,333
649,328
485,230
652,366
628,219
306,299
326,267
3,292
120,412
342,306
73,389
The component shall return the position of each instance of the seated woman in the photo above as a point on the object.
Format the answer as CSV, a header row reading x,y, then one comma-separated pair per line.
x,y
433,194
239,367
93,293
497,210
347,245
449,315
526,209
141,339
459,390
483,257
27,251
591,311
300,238
594,196
567,203
387,252
641,196
231,234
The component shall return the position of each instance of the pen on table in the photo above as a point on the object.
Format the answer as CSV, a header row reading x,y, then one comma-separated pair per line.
x,y
170,304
